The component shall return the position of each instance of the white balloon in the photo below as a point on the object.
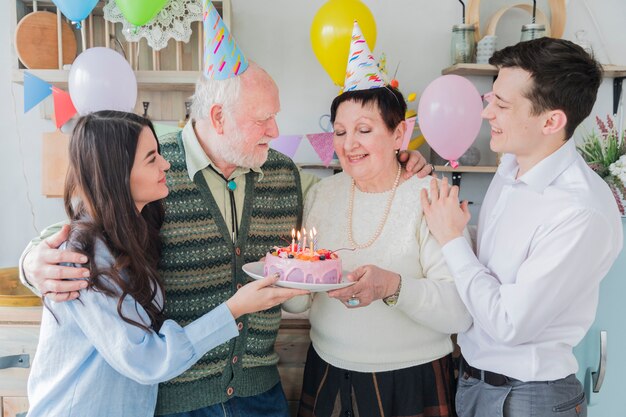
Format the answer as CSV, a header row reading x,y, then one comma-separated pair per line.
x,y
101,79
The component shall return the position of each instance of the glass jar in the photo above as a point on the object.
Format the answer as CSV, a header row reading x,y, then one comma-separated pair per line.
x,y
463,45
533,31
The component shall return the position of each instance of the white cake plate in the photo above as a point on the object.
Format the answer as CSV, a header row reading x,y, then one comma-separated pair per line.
x,y
255,270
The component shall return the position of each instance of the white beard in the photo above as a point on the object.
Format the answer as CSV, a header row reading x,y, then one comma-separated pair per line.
x,y
230,151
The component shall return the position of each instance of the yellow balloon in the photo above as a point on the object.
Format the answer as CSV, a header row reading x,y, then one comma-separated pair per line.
x,y
331,32
416,142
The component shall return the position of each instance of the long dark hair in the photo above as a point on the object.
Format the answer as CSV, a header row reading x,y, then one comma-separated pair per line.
x,y
99,204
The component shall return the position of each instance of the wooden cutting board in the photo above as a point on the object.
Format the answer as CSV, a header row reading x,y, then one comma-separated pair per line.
x,y
54,163
36,41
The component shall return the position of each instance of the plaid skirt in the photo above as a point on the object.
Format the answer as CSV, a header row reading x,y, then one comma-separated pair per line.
x,y
419,391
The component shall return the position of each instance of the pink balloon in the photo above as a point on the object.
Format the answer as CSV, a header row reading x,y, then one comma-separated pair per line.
x,y
449,115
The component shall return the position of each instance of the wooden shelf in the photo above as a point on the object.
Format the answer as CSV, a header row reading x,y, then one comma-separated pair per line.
x,y
146,80
470,69
438,168
313,165
610,71
472,169
614,71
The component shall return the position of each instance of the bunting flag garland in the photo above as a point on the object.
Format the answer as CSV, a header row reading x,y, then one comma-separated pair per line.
x,y
323,145
287,145
410,125
35,90
63,107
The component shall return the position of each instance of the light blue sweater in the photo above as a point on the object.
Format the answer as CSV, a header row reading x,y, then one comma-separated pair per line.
x,y
92,363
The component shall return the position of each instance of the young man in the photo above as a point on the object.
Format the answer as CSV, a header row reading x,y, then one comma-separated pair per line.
x,y
548,232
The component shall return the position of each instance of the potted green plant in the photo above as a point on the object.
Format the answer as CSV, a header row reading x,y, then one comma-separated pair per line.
x,y
605,153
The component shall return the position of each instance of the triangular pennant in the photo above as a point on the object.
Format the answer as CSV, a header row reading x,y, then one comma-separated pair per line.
x,y
222,57
410,125
287,145
322,143
35,90
64,109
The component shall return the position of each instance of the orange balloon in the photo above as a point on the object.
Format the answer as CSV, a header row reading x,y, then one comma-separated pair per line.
x,y
331,32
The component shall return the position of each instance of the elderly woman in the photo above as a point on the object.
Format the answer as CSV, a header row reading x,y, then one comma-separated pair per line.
x,y
380,347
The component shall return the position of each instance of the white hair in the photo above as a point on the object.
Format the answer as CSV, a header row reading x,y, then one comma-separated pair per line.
x,y
209,92
225,92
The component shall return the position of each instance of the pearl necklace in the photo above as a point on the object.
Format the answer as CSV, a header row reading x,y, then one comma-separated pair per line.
x,y
383,220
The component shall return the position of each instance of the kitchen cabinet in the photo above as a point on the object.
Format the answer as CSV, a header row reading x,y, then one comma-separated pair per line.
x,y
19,332
14,406
604,390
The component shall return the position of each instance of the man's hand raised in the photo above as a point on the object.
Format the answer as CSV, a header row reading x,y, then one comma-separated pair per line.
x,y
42,270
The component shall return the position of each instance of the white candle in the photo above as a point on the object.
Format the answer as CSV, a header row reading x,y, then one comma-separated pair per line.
x,y
298,248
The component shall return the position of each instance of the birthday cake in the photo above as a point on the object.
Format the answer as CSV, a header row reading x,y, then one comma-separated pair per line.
x,y
307,266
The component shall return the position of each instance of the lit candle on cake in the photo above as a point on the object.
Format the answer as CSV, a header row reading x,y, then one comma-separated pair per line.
x,y
314,239
311,238
293,240
303,239
298,248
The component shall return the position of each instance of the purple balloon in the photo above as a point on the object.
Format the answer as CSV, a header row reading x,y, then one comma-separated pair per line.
x,y
449,115
101,79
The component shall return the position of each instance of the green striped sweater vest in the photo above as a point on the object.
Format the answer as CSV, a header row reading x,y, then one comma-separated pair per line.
x,y
201,269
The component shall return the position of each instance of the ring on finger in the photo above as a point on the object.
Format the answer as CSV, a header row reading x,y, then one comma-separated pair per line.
x,y
353,301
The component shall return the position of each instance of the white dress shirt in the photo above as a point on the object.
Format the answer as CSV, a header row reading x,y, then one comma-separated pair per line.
x,y
545,241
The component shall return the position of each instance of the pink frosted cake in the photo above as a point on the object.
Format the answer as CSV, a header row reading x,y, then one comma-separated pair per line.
x,y
318,267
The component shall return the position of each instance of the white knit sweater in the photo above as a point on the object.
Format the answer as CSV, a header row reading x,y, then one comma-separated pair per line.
x,y
377,337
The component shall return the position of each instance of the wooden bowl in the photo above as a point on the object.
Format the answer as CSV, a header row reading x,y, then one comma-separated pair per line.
x,y
13,293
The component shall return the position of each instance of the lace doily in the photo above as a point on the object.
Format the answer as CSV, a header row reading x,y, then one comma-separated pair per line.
x,y
172,22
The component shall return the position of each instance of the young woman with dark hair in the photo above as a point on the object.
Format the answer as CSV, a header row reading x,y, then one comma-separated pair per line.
x,y
104,353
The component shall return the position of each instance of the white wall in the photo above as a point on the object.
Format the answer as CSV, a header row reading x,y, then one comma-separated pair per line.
x,y
23,210
275,33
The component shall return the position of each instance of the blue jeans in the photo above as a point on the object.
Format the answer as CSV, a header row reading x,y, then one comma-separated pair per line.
x,y
561,398
271,403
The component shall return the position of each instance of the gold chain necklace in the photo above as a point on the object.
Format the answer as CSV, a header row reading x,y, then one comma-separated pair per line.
x,y
383,220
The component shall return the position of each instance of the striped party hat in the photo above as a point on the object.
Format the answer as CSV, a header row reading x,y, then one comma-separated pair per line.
x,y
222,57
362,72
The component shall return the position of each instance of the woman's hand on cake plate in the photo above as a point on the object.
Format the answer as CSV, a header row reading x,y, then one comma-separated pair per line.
x,y
372,283
260,295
